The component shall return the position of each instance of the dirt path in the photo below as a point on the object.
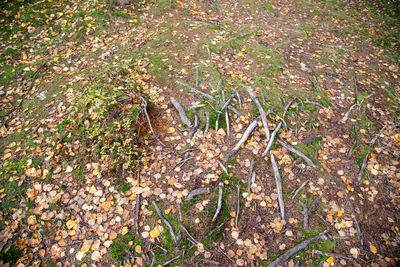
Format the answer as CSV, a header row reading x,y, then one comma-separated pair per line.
x,y
78,191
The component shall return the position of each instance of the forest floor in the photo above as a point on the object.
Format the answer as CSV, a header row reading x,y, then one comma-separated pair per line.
x,y
92,143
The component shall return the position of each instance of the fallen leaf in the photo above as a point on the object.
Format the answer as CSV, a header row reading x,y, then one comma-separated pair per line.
x,y
330,260
372,248
155,232
70,224
32,220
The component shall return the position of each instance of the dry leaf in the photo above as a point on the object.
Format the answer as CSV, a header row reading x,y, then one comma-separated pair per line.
x,y
155,232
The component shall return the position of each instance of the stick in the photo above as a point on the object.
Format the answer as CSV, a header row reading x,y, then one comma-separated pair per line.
x,y
314,204
298,153
305,213
237,112
271,140
364,163
237,205
303,245
180,163
148,120
250,176
171,230
298,190
260,109
346,116
181,112
207,261
355,90
238,98
227,123
197,91
171,260
137,207
223,167
246,134
197,77
278,186
220,187
207,124
197,192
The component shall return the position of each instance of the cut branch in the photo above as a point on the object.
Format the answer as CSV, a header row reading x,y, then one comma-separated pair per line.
x,y
207,124
171,230
220,191
260,109
278,183
298,153
271,140
181,112
197,91
197,192
245,136
303,245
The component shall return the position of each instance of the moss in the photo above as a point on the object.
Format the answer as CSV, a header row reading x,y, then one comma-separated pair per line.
x,y
11,254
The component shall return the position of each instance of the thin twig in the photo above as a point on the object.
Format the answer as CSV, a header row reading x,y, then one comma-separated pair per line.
x,y
207,261
237,112
298,153
355,90
303,245
298,190
220,191
224,106
278,183
245,34
171,230
246,134
260,109
364,163
215,229
223,167
192,133
182,162
197,77
171,260
346,116
238,98
153,258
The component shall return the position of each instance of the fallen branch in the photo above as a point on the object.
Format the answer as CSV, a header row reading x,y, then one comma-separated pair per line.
x,y
181,112
239,99
223,167
246,135
148,120
182,162
346,116
237,112
207,261
197,192
237,205
250,182
271,140
171,230
245,34
137,207
197,91
260,109
303,245
207,124
278,186
298,153
364,163
153,258
305,213
220,191
355,90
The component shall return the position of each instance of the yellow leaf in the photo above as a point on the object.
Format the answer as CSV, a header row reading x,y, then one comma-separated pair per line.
x,y
106,205
155,232
32,220
372,248
96,171
339,213
330,260
124,230
70,224
72,232
92,190
171,130
12,145
6,156
86,246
